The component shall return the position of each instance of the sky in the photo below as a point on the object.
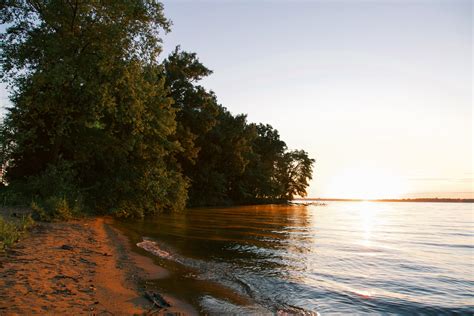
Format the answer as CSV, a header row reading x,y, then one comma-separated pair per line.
x,y
378,92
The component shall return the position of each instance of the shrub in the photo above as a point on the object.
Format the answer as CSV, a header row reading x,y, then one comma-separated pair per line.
x,y
11,196
55,208
11,231
52,194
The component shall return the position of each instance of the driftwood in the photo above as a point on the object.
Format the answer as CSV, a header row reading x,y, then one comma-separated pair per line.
x,y
67,247
156,299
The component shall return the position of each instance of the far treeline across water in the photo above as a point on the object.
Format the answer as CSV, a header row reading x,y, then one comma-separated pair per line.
x,y
100,122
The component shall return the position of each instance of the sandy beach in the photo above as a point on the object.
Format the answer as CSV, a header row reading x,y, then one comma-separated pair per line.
x,y
80,267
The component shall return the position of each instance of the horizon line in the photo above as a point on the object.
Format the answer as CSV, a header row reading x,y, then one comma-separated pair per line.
x,y
416,199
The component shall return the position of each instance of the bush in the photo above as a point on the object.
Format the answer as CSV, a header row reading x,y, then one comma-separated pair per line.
x,y
11,231
11,196
58,180
52,194
55,208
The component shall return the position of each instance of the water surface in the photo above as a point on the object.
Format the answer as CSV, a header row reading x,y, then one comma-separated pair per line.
x,y
345,257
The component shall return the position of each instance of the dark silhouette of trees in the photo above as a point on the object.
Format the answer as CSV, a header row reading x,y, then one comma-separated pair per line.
x,y
226,159
99,123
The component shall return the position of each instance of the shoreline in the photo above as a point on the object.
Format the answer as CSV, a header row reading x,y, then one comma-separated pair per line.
x,y
408,200
83,266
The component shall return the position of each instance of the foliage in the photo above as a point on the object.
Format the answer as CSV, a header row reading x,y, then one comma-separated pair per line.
x,y
295,169
226,159
88,90
11,196
98,123
225,153
11,231
54,209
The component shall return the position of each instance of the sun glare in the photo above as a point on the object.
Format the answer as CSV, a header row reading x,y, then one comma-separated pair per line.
x,y
366,183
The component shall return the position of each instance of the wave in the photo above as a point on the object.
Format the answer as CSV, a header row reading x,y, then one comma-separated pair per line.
x,y
153,248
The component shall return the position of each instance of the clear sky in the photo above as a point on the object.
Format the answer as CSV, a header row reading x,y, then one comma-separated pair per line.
x,y
378,92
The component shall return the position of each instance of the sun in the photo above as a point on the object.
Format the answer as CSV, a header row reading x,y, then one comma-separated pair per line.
x,y
366,183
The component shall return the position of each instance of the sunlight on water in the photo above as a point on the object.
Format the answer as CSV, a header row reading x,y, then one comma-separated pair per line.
x,y
357,257
368,214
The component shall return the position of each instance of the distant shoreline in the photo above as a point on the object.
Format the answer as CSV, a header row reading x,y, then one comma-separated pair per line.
x,y
416,200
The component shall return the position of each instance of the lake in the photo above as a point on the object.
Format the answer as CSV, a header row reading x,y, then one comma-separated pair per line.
x,y
344,257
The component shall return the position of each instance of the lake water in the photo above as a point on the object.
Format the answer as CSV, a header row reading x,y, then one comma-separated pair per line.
x,y
345,257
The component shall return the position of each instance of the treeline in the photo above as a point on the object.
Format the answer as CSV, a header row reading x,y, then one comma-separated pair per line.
x,y
98,122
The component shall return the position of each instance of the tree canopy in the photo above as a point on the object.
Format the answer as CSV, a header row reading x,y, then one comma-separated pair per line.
x,y
227,159
98,120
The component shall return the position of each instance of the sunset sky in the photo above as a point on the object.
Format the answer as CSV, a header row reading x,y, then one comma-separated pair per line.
x,y
378,92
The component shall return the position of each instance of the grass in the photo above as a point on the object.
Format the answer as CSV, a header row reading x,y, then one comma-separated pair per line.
x,y
12,230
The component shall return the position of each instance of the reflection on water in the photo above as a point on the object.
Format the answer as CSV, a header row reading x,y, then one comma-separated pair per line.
x,y
358,257
367,215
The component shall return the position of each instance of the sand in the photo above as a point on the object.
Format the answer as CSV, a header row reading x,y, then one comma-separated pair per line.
x,y
81,267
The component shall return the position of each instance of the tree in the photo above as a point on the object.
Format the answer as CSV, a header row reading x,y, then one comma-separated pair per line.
x,y
96,117
274,173
226,159
225,153
261,177
216,144
88,90
196,108
295,169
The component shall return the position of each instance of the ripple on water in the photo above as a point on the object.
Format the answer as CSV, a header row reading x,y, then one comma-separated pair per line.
x,y
399,258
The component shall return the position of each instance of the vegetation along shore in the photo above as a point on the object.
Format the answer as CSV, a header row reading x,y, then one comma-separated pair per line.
x,y
101,124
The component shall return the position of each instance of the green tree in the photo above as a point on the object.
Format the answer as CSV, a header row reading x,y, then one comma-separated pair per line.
x,y
88,90
196,108
215,144
260,180
226,159
96,116
274,173
224,154
295,169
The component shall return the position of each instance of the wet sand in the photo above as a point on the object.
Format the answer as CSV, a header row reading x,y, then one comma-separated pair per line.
x,y
81,267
